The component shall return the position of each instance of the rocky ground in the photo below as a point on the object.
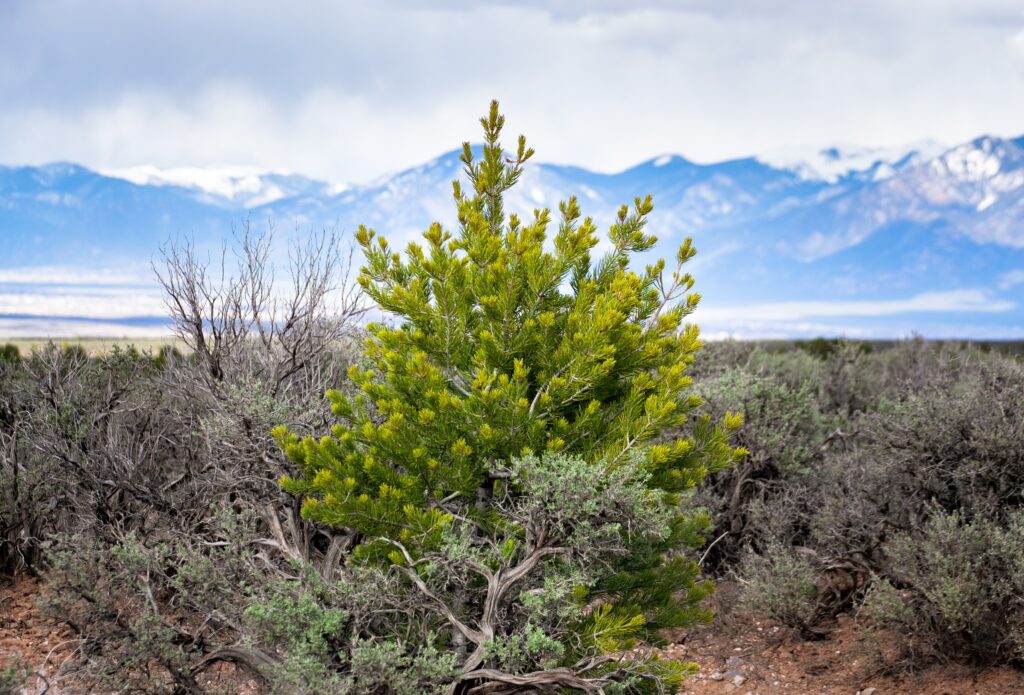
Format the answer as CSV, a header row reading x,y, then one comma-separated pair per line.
x,y
767,659
743,655
739,655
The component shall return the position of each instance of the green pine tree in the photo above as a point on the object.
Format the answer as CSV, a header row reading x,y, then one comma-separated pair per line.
x,y
500,459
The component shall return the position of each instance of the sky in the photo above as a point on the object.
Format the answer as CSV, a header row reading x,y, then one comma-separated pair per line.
x,y
347,91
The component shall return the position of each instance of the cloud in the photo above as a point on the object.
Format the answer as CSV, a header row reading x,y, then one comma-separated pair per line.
x,y
346,91
953,301
1016,46
754,330
1011,279
705,259
87,302
64,275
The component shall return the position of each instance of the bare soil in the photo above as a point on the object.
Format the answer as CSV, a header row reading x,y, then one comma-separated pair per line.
x,y
768,659
48,648
30,640
744,655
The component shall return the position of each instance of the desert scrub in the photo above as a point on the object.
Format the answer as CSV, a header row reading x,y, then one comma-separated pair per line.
x,y
304,625
153,617
955,589
785,432
781,583
106,595
882,441
785,427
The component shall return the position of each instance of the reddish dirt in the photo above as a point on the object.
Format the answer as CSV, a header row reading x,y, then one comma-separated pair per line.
x,y
738,655
743,655
27,638
46,648
768,659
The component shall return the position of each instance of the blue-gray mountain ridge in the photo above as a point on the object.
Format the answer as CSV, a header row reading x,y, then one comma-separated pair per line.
x,y
840,241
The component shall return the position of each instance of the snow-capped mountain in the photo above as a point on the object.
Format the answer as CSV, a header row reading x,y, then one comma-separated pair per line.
x,y
831,164
839,240
245,187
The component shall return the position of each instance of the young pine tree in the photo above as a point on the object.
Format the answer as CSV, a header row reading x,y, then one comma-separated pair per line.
x,y
497,463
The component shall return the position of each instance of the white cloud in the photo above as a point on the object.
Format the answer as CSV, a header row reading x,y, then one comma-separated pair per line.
x,y
41,275
953,301
88,302
346,91
1016,46
708,258
1011,279
754,330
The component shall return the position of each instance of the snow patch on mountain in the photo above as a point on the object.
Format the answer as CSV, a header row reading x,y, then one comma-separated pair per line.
x,y
971,162
830,164
979,173
238,185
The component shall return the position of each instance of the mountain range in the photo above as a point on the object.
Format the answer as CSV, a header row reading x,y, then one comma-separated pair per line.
x,y
851,241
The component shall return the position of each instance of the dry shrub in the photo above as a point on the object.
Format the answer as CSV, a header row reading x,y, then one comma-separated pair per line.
x,y
115,464
955,589
904,463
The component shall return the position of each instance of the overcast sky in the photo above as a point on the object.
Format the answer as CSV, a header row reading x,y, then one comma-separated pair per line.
x,y
347,91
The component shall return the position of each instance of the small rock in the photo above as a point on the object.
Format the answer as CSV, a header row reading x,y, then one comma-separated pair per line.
x,y
738,680
868,691
717,676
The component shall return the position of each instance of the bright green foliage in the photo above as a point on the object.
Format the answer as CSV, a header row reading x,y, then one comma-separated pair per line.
x,y
513,343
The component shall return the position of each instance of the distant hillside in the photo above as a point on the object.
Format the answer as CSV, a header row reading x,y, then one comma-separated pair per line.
x,y
852,241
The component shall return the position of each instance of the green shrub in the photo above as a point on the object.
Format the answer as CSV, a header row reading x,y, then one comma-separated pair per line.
x,y
822,348
109,598
303,623
153,615
387,668
498,459
957,443
9,353
785,428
